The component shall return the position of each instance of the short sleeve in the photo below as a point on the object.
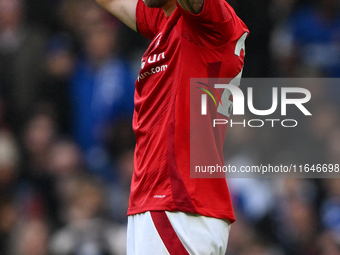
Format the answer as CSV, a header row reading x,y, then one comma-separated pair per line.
x,y
149,20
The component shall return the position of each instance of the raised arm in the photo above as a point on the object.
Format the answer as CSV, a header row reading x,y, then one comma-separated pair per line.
x,y
125,10
193,6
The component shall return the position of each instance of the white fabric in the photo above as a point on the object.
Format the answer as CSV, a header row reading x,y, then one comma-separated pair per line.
x,y
198,234
142,236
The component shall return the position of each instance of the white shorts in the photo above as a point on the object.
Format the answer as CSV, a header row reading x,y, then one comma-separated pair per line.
x,y
176,233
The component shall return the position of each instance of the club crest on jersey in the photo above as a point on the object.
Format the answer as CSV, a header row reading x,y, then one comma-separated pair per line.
x,y
157,39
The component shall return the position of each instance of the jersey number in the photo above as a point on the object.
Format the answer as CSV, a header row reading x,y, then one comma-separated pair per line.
x,y
227,104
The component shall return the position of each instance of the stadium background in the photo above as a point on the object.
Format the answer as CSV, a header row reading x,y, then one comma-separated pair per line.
x,y
67,70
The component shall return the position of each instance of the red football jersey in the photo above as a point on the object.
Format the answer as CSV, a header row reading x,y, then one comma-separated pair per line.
x,y
183,46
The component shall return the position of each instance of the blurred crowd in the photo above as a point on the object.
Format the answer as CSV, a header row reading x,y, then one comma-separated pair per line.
x,y
67,72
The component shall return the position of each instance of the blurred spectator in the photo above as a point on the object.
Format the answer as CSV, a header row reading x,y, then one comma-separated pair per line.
x,y
66,165
252,196
328,244
102,94
55,82
9,162
65,159
243,233
119,191
30,238
36,196
87,232
311,41
295,215
330,210
8,218
298,228
39,133
21,55
77,16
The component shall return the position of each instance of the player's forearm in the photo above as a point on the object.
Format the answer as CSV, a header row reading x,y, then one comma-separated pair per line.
x,y
193,6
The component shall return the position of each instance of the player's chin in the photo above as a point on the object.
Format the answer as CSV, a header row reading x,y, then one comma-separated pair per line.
x,y
155,3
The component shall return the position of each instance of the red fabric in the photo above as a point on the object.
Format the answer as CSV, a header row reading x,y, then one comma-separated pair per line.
x,y
168,234
184,46
149,20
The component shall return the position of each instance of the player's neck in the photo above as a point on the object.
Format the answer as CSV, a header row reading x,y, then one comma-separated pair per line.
x,y
169,8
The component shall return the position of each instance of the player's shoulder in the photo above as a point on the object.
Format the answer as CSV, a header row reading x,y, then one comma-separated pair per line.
x,y
149,20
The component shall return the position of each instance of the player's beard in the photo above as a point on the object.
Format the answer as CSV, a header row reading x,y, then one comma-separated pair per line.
x,y
156,3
